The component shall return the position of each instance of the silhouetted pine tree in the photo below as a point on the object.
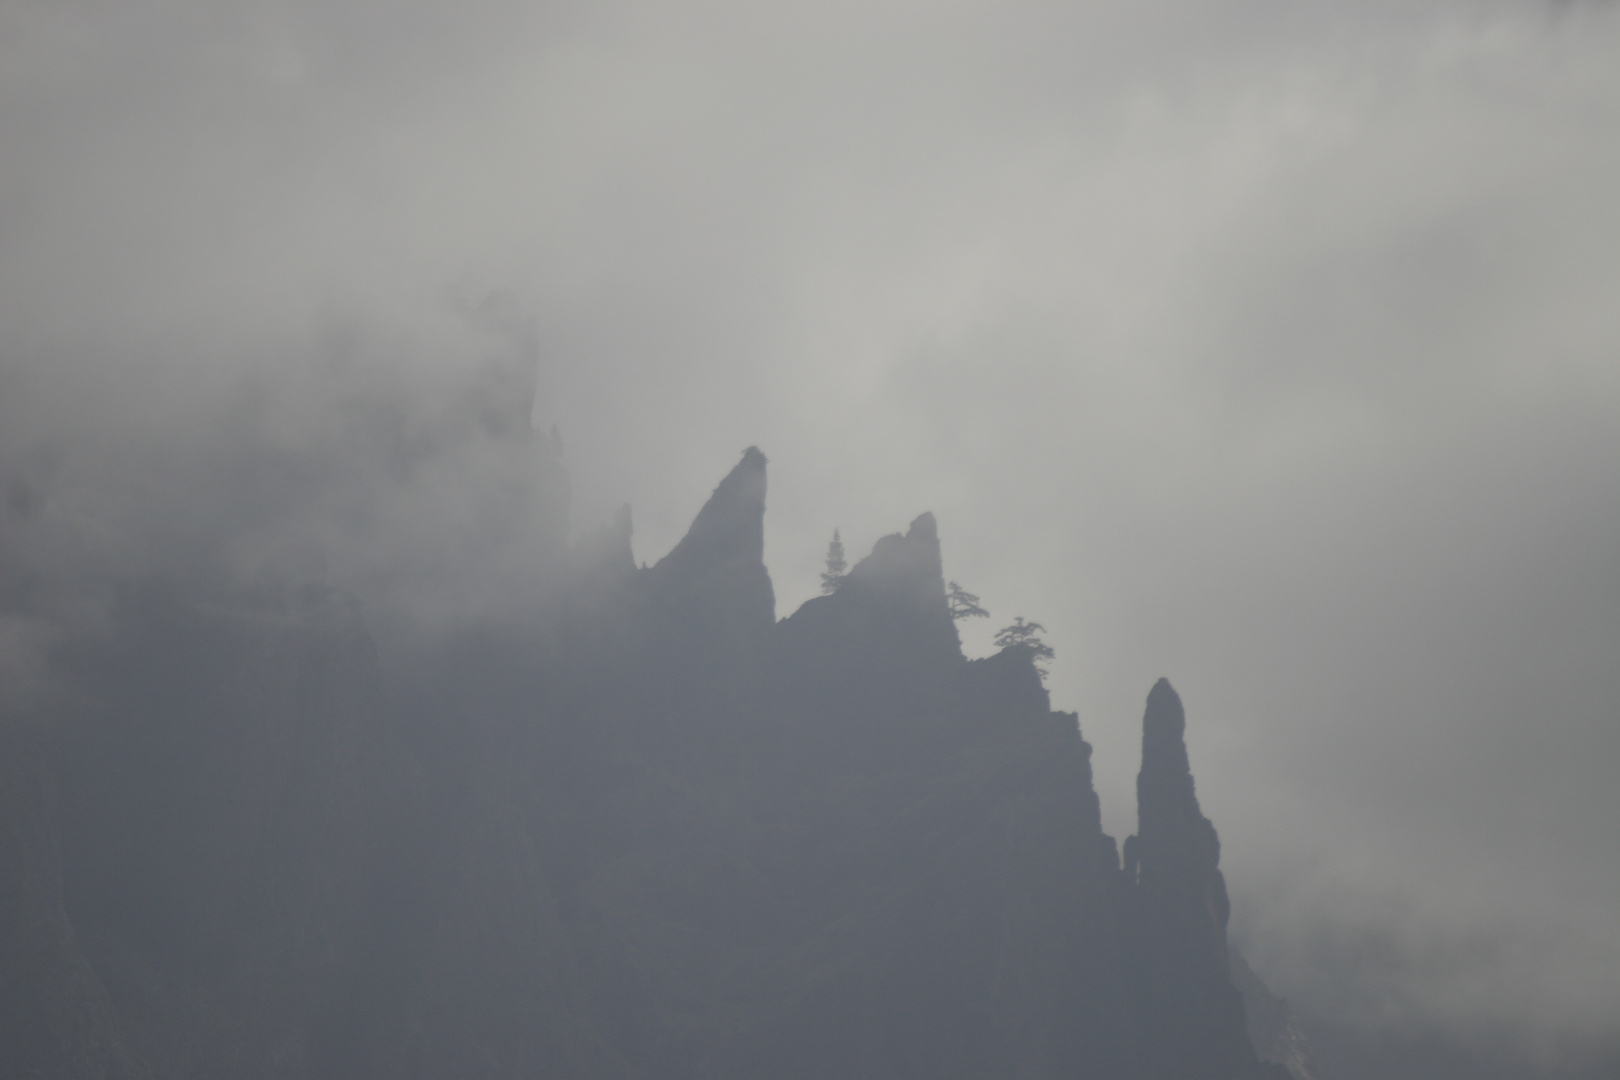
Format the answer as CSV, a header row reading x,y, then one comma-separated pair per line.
x,y
836,566
963,604
1026,635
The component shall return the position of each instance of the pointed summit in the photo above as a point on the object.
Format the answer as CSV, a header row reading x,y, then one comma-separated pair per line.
x,y
731,525
717,572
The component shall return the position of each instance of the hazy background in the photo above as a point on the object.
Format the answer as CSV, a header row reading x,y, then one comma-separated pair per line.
x,y
1270,345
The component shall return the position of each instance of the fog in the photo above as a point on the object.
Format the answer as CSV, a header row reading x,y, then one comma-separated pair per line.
x,y
1270,346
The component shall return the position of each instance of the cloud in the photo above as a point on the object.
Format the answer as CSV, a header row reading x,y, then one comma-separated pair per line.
x,y
1270,347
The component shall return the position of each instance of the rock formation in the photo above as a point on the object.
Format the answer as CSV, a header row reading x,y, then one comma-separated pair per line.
x,y
1190,1016
648,831
715,581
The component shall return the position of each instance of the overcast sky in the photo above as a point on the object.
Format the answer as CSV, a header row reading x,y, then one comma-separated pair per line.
x,y
1269,345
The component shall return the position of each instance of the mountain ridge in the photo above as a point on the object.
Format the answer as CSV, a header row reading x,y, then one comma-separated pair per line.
x,y
647,831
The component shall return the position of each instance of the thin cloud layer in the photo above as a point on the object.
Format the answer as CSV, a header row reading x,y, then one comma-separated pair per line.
x,y
1269,346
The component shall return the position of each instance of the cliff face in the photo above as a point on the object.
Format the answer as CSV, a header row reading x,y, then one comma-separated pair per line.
x,y
647,832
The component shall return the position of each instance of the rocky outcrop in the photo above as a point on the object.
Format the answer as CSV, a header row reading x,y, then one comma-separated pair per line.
x,y
1190,1017
893,600
867,673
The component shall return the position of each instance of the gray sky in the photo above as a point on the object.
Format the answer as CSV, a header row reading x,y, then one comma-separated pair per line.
x,y
1270,345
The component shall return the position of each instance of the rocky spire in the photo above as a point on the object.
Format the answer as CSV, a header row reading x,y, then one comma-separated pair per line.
x,y
1190,1016
716,574
1174,843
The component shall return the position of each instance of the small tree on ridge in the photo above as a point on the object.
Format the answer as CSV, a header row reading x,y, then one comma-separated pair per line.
x,y
1026,635
963,604
836,566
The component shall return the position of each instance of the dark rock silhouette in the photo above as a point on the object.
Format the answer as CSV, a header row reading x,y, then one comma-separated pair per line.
x,y
645,832
1191,1016
715,578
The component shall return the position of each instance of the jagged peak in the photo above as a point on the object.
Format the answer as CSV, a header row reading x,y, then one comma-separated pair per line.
x,y
907,565
720,562
731,525
890,604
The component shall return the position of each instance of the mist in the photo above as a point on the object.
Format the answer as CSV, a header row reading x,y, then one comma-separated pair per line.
x,y
1270,346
